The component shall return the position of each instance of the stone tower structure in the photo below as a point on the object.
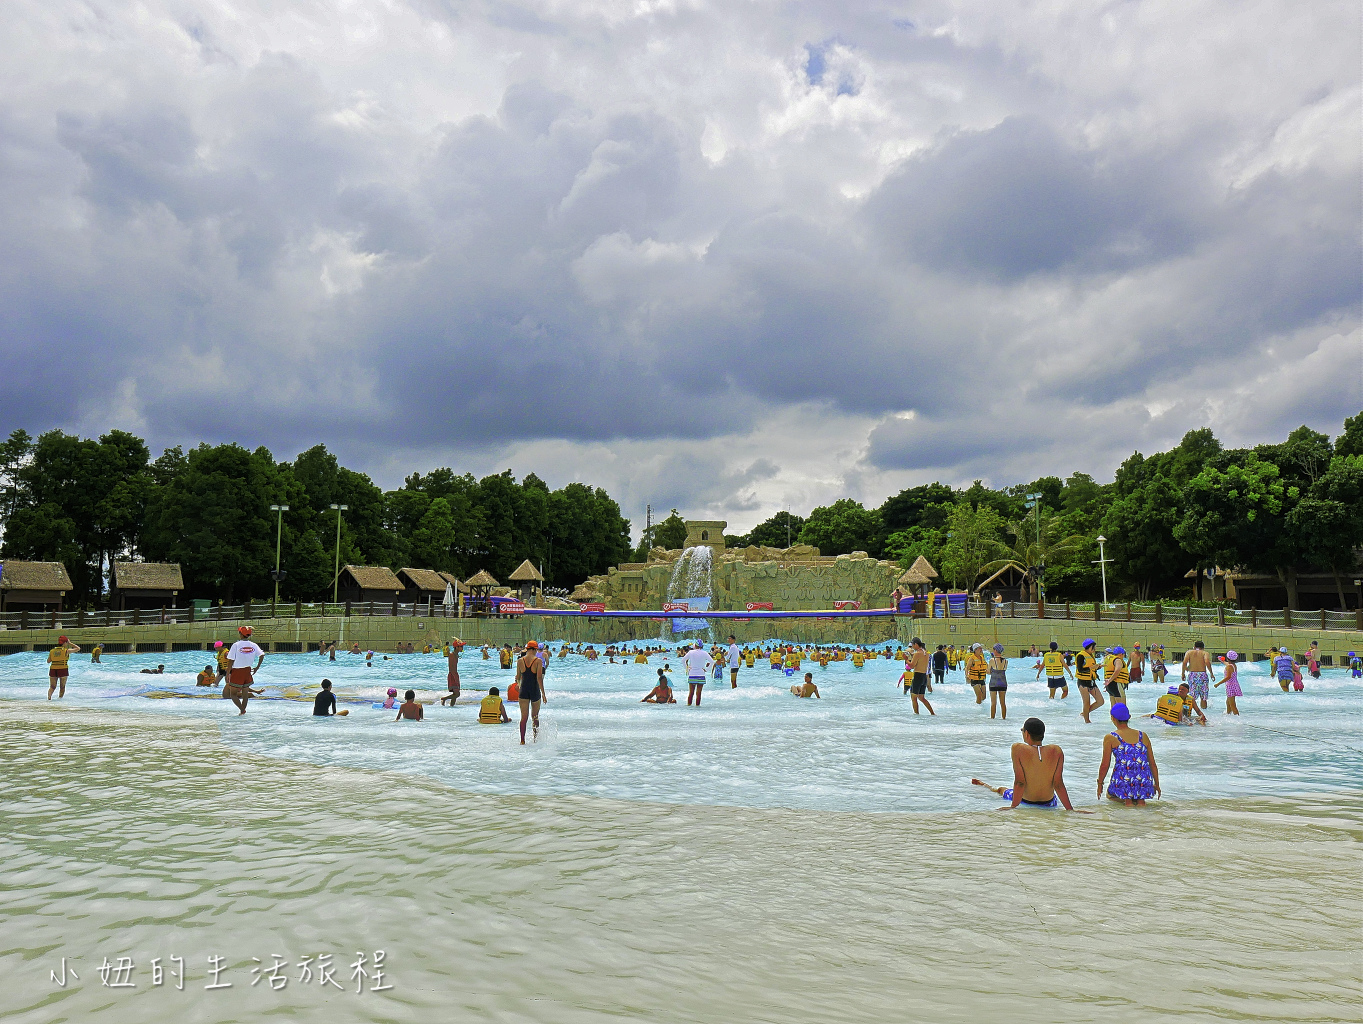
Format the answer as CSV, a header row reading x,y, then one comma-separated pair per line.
x,y
707,533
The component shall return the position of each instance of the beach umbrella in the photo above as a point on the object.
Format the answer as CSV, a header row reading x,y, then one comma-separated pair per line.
x,y
448,601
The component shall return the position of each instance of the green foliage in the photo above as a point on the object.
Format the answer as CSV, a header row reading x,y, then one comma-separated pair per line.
x,y
841,527
1350,440
669,534
910,507
972,536
780,531
1236,516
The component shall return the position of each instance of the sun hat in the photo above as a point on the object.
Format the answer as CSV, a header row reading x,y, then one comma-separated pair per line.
x,y
1120,712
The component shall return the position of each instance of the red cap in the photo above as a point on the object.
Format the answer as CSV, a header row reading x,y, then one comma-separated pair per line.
x,y
245,631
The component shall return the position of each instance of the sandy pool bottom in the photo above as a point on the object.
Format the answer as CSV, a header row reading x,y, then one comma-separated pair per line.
x,y
139,836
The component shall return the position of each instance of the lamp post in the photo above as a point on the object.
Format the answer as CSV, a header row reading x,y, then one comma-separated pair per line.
x,y
279,511
336,576
1102,562
1034,502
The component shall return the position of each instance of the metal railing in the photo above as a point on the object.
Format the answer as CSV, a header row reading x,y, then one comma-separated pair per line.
x,y
168,616
1159,612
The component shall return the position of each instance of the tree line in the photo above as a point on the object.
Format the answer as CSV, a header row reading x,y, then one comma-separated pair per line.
x,y
87,502
1282,509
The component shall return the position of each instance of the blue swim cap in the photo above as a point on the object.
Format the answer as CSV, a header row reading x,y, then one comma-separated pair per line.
x,y
1119,650
1089,643
1120,712
1173,689
998,648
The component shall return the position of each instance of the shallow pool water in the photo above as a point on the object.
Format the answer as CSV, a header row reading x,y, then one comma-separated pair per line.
x,y
858,748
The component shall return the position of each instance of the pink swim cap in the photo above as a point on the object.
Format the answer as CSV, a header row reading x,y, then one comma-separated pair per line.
x,y
392,692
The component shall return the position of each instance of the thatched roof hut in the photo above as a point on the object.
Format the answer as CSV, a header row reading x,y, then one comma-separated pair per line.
x,y
924,568
369,583
481,580
32,584
145,584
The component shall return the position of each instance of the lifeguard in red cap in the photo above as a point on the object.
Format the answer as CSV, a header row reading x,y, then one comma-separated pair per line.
x,y
242,673
452,652
58,666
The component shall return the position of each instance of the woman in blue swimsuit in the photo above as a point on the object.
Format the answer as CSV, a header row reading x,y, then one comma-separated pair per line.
x,y
1135,776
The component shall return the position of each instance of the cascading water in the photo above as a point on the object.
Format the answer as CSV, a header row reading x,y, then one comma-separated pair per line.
x,y
691,582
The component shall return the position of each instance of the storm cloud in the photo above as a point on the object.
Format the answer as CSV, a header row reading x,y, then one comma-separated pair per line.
x,y
728,257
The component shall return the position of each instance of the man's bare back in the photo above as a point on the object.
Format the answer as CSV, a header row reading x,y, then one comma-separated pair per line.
x,y
1038,768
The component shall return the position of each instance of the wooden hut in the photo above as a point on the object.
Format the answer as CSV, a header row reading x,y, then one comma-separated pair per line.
x,y
913,580
480,586
369,583
145,585
32,586
527,580
1011,582
924,568
422,585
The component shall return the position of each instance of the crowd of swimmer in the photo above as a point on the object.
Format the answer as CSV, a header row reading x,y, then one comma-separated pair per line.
x,y
1038,767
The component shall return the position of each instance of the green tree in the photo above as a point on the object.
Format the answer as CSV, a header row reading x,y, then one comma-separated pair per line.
x,y
15,453
841,527
1350,440
670,533
971,537
434,538
908,508
1035,544
780,531
1236,516
1328,524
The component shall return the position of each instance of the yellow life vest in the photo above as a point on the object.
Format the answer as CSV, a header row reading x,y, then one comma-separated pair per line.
x,y
641,659
858,660
490,710
1085,667
58,657
1114,669
749,658
1170,708
505,657
1055,664
222,657
975,668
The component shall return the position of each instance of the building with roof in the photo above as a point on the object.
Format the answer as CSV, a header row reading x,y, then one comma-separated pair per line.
x,y
33,586
480,586
370,583
527,581
145,585
422,585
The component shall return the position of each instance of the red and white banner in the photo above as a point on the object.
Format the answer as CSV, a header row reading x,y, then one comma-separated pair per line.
x,y
841,605
761,606
676,606
591,606
509,607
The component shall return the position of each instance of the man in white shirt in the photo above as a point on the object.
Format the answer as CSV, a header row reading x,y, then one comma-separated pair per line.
x,y
733,662
242,673
698,663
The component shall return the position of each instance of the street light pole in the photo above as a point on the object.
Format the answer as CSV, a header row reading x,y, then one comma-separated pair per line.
x,y
336,576
1102,562
279,510
1034,501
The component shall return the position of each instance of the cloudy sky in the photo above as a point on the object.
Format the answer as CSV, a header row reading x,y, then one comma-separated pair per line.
x,y
726,256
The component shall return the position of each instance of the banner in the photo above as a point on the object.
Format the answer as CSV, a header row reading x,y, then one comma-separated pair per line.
x,y
691,604
509,606
840,605
761,606
591,606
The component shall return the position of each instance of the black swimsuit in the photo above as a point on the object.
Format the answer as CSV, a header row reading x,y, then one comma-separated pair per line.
x,y
530,685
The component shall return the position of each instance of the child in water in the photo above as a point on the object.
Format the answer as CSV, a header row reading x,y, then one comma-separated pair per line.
x,y
392,700
1232,683
1355,666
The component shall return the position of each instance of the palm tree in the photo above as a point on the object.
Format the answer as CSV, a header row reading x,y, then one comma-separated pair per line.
x,y
1035,543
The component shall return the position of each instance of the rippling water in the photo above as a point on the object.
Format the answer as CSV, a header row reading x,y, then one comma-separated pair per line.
x,y
144,827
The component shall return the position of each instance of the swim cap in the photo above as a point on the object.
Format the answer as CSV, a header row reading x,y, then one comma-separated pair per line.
x,y
531,645
1089,643
1120,712
998,648
1119,650
976,647
1231,656
217,644
392,691
245,630
1173,689
61,639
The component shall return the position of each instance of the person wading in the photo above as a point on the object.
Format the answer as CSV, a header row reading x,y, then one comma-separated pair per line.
x,y
530,676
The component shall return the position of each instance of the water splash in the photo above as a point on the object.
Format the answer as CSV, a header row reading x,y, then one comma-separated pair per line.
x,y
692,577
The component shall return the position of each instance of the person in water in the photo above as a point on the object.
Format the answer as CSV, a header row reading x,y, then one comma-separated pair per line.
x,y
662,693
223,664
410,709
1053,664
807,688
159,670
1285,668
391,701
1128,753
491,710
324,704
698,664
998,682
1231,681
1086,676
939,666
452,652
95,653
58,666
735,659
1176,705
918,685
207,677
1038,771
976,670
1197,669
242,675
530,676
